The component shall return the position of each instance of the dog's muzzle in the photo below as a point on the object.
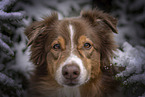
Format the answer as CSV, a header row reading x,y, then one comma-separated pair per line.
x,y
70,74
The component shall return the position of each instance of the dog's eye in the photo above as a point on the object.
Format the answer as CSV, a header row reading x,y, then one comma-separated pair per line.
x,y
56,46
87,46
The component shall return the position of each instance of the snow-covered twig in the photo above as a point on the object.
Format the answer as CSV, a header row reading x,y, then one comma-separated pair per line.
x,y
5,3
11,15
5,38
133,58
6,48
6,80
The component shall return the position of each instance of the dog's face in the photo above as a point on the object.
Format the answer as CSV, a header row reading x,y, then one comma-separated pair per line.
x,y
72,49
73,53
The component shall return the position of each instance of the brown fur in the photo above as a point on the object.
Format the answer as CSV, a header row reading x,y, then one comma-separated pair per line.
x,y
98,28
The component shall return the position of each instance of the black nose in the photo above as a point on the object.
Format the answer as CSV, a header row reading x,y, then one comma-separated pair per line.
x,y
70,72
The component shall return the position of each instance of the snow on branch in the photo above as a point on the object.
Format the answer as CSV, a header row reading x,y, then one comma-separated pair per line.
x,y
5,3
6,80
133,59
11,15
7,20
6,48
5,38
4,41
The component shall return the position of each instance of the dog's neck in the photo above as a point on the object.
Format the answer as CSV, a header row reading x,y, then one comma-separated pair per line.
x,y
69,92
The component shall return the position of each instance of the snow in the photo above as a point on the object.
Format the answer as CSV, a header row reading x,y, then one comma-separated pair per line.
x,y
45,8
3,44
128,24
9,83
32,11
6,80
131,54
5,3
22,58
5,38
131,30
133,58
11,15
6,48
22,61
4,16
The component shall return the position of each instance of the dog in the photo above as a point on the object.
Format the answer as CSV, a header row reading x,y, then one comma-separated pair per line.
x,y
72,56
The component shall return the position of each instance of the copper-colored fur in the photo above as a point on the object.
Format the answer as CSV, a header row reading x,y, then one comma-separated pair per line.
x,y
98,27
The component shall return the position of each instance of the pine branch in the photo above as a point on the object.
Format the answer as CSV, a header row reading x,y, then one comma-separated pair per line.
x,y
10,87
4,47
11,15
5,38
6,21
4,79
5,3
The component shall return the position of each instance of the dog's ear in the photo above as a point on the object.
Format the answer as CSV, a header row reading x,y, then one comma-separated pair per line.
x,y
33,31
36,28
96,16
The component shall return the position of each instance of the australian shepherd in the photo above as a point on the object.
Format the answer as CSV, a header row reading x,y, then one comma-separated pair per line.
x,y
72,55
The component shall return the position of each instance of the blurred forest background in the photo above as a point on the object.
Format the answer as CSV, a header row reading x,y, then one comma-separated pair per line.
x,y
16,15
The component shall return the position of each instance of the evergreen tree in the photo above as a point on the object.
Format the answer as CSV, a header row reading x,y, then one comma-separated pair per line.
x,y
131,38
11,81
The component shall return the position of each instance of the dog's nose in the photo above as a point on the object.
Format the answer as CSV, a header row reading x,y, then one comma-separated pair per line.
x,y
70,72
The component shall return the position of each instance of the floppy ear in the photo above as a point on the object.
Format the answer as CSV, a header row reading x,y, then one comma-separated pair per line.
x,y
37,34
36,28
103,22
98,16
33,31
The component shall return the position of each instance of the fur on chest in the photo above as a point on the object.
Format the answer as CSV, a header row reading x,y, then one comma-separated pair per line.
x,y
68,92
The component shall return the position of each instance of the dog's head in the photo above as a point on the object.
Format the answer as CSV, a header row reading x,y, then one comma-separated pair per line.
x,y
73,50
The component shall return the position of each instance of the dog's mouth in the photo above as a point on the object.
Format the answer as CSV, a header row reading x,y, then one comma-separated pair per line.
x,y
71,83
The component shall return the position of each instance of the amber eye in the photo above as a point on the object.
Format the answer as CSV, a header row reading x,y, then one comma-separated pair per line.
x,y
87,46
56,46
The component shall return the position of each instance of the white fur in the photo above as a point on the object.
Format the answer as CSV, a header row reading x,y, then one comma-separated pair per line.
x,y
69,92
72,59
71,36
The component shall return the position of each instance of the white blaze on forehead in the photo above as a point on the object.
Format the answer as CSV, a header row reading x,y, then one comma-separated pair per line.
x,y
71,36
72,59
